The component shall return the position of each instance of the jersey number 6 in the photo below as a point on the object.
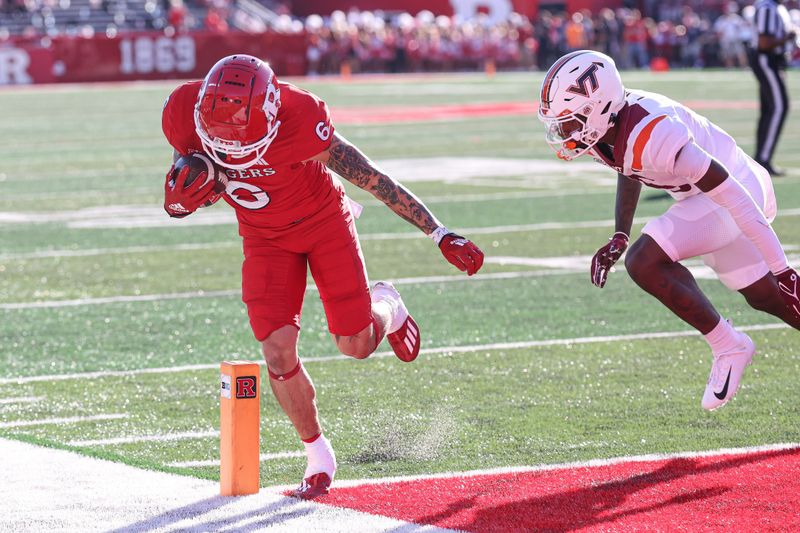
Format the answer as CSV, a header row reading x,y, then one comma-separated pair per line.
x,y
247,195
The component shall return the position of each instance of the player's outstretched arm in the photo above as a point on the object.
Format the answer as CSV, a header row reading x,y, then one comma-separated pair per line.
x,y
713,179
351,164
627,199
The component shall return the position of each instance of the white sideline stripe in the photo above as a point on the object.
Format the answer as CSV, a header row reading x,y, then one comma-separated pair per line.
x,y
485,230
592,463
119,299
495,196
21,399
237,292
57,490
262,457
67,420
121,250
424,351
146,438
108,373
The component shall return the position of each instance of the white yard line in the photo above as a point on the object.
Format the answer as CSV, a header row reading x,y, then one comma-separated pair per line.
x,y
21,399
66,420
497,346
88,252
165,437
119,299
223,216
496,196
555,266
421,280
262,457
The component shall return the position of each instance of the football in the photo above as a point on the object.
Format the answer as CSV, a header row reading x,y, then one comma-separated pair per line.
x,y
199,163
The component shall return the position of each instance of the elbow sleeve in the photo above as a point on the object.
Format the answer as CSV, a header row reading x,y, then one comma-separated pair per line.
x,y
731,195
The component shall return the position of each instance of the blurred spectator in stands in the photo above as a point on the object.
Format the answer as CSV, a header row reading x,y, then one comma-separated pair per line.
x,y
215,20
607,33
635,37
688,34
665,41
575,33
176,15
732,31
691,52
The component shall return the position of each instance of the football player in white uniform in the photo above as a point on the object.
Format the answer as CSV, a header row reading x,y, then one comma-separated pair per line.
x,y
723,210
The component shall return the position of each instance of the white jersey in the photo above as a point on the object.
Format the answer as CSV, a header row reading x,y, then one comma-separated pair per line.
x,y
654,128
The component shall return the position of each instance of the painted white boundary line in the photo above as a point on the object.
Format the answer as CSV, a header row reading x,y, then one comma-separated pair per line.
x,y
67,420
49,304
262,457
233,243
21,399
237,292
424,351
166,437
57,490
592,463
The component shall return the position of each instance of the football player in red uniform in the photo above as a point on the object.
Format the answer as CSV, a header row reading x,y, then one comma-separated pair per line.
x,y
723,210
278,146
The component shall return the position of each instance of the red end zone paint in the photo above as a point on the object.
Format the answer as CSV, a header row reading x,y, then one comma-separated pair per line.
x,y
742,492
389,115
383,114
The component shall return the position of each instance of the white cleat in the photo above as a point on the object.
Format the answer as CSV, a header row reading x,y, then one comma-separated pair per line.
x,y
726,373
403,334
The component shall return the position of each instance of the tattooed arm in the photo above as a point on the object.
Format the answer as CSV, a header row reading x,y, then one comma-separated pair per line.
x,y
351,164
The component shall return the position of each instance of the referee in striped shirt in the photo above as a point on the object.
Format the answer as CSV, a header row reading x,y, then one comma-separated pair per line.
x,y
771,38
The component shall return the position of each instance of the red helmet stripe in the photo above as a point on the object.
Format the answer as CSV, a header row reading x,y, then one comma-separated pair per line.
x,y
551,74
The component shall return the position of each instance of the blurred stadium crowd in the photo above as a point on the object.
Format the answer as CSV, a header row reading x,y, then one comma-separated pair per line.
x,y
665,33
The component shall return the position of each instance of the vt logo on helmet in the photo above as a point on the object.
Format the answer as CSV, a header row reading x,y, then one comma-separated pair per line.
x,y
236,111
581,95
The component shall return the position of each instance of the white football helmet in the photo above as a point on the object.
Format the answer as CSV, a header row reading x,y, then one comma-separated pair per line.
x,y
581,94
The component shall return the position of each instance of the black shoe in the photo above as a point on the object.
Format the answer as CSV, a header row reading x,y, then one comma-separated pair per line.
x,y
775,172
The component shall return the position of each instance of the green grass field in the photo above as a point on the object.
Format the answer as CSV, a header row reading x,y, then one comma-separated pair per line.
x,y
89,283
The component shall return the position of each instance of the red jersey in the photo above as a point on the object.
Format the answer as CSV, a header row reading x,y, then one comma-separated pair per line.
x,y
281,190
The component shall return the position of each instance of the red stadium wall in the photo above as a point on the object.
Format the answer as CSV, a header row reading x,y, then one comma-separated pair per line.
x,y
326,7
142,56
437,7
529,8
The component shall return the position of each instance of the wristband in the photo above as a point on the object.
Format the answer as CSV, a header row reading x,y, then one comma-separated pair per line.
x,y
622,233
438,234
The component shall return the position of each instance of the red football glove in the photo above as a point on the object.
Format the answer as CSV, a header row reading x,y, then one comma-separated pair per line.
x,y
180,201
461,253
788,284
606,256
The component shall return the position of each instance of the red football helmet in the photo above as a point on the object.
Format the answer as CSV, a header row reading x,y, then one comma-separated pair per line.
x,y
237,110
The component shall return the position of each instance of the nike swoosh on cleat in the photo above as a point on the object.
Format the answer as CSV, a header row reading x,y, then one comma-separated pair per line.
x,y
721,394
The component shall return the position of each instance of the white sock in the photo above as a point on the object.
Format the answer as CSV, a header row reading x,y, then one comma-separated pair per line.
x,y
722,338
397,310
320,457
